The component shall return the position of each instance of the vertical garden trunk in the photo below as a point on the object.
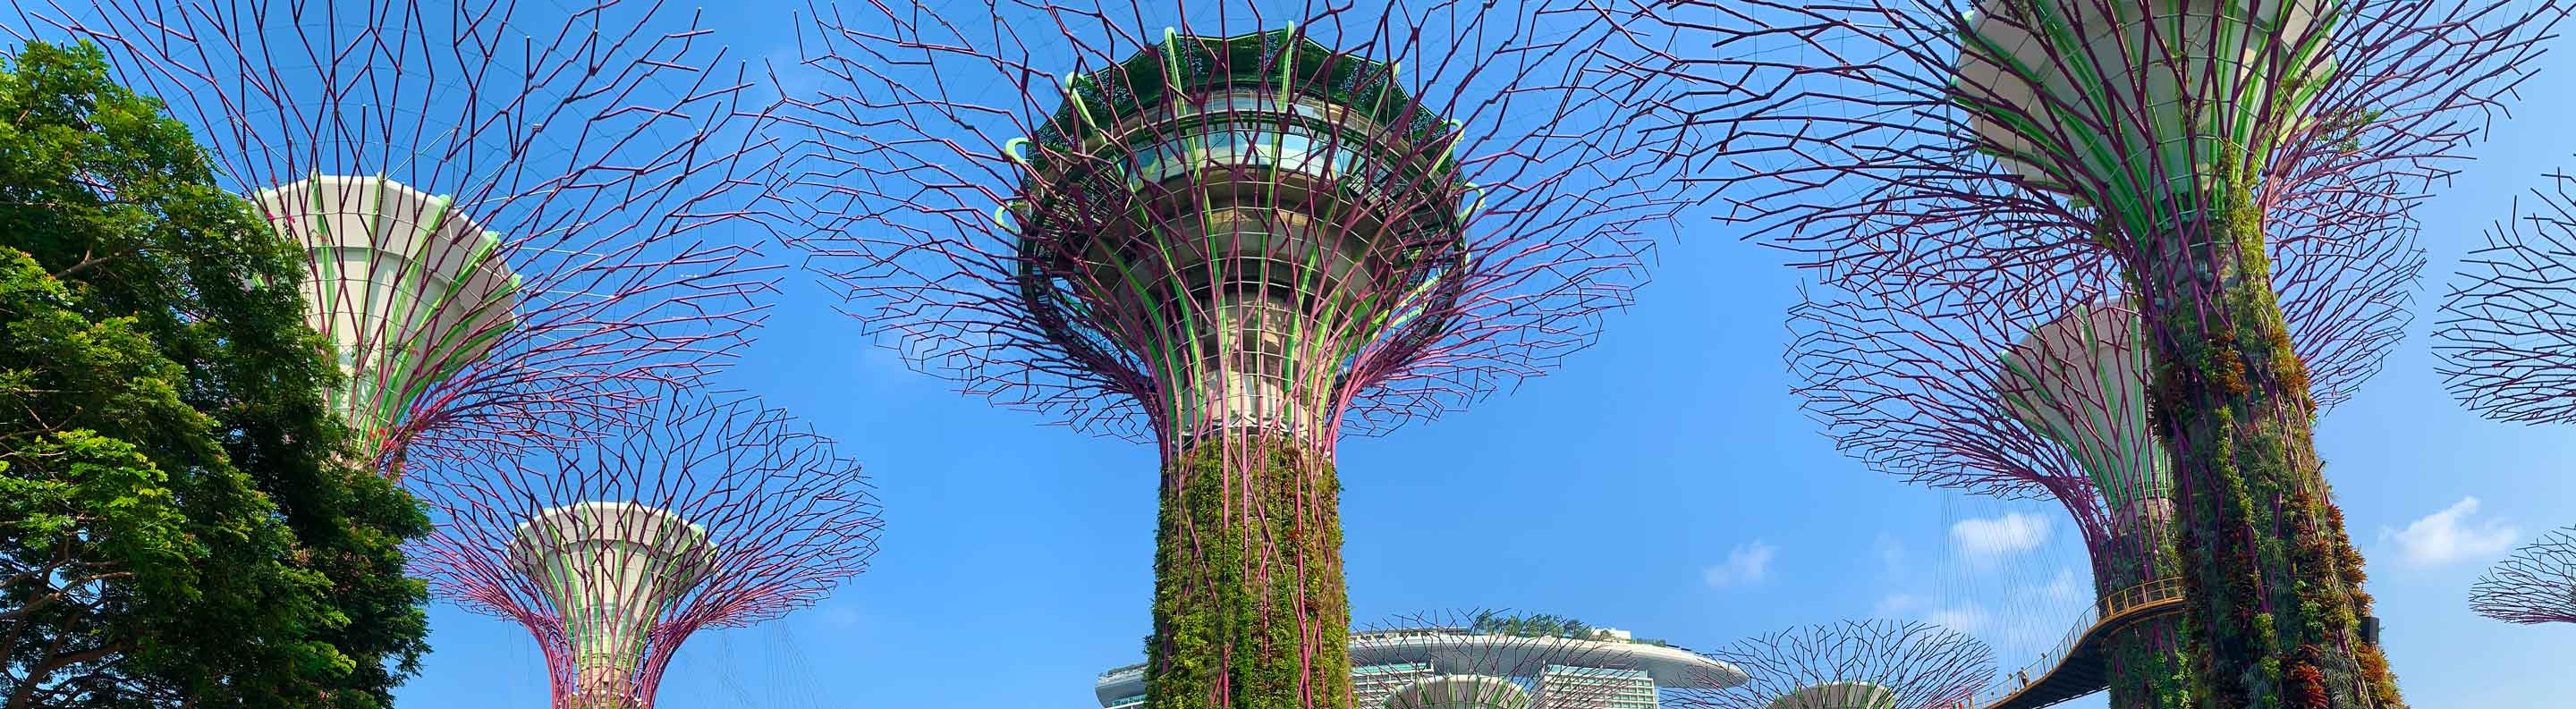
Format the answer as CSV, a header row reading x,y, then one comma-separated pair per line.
x,y
2273,585
2144,658
1250,611
2146,666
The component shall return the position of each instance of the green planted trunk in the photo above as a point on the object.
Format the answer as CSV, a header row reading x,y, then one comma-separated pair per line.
x,y
1249,607
2146,666
2273,585
2144,658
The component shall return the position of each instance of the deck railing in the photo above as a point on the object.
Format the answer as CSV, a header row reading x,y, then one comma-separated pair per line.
x,y
2109,607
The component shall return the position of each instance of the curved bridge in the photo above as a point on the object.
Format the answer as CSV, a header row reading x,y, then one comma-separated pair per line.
x,y
2077,667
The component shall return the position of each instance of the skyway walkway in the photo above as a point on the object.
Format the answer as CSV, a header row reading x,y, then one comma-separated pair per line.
x,y
2078,666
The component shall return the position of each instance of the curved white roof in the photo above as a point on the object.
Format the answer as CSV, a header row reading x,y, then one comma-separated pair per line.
x,y
1669,666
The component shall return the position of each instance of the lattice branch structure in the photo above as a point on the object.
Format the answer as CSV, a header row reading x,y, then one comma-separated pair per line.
x,y
1875,664
718,513
1240,230
518,216
1009,242
2535,585
1847,131
2012,392
2000,383
2017,386
2181,146
2508,328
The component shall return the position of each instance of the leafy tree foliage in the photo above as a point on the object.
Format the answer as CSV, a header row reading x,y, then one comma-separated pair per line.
x,y
182,522
1530,626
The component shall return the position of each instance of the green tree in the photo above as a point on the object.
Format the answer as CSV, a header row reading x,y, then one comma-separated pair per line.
x,y
1544,625
182,522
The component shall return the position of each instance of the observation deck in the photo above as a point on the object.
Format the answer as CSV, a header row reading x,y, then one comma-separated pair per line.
x,y
2078,666
1237,218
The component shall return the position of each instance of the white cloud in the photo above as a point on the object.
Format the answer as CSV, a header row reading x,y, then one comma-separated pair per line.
x,y
2441,537
2066,590
1891,554
1898,605
1970,618
841,617
2051,607
1986,540
1746,564
2035,618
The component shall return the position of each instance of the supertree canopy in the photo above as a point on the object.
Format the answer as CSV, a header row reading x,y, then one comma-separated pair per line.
x,y
2536,585
2014,385
516,216
1873,664
2507,348
716,513
1242,235
2180,146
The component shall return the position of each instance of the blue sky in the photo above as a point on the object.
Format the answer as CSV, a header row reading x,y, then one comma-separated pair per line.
x,y
1662,481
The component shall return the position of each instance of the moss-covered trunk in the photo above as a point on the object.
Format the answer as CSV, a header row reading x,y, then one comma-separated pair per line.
x,y
2146,666
2144,658
1250,611
2273,585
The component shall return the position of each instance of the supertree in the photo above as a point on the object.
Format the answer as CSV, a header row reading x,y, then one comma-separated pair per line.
x,y
2170,143
1856,664
2536,585
718,512
516,218
2506,346
2020,385
1243,236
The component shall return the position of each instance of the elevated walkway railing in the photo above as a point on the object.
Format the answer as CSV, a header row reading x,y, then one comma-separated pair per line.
x,y
2071,669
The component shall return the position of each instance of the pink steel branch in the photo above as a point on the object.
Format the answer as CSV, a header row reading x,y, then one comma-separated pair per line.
x,y
606,145
1910,374
910,160
1873,663
2536,585
718,513
1835,129
2507,345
